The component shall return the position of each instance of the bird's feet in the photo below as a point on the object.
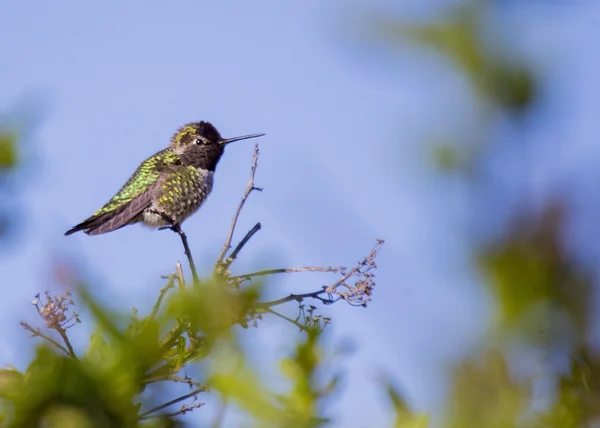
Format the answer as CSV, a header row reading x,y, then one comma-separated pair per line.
x,y
175,228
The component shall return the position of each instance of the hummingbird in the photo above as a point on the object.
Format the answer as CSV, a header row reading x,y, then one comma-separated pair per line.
x,y
169,186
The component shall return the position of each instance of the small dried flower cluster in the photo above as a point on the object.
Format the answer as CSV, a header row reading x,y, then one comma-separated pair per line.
x,y
310,319
359,293
54,313
188,408
54,310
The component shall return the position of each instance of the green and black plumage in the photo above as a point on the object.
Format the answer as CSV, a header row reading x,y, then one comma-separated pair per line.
x,y
167,187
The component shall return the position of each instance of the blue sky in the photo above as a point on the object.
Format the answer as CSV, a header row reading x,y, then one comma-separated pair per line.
x,y
344,161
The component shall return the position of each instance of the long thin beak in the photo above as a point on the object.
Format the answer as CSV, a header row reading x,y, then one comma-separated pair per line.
x,y
243,137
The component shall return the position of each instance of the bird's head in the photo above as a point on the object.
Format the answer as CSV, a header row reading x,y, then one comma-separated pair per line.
x,y
201,145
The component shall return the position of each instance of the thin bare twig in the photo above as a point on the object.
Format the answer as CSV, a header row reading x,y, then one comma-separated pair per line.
x,y
265,306
38,333
243,242
177,228
163,291
362,287
180,277
170,403
173,378
249,188
248,276
222,267
345,277
296,323
184,409
65,338
357,295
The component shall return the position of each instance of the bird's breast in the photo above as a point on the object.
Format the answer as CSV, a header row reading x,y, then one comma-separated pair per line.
x,y
182,192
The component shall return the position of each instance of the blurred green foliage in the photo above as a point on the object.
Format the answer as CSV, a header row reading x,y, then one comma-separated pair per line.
x,y
577,404
8,150
56,389
501,80
192,324
9,162
529,266
461,36
485,394
543,294
405,417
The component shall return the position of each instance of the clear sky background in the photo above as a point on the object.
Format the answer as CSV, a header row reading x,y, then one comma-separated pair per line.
x,y
344,161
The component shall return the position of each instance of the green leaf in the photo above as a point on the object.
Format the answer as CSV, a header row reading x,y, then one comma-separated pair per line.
x,y
405,418
11,382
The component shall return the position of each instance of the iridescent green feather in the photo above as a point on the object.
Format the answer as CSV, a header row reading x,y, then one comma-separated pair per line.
x,y
141,180
184,131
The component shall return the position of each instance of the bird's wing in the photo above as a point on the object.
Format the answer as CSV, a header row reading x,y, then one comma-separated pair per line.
x,y
144,177
115,219
130,200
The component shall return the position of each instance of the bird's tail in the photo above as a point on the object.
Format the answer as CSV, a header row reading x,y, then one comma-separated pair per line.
x,y
115,219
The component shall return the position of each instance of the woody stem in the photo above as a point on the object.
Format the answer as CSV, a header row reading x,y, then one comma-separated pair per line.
x,y
186,248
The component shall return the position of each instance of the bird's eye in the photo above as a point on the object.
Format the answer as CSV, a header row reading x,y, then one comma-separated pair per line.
x,y
198,141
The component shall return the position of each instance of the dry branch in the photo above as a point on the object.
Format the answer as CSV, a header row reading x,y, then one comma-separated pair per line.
x,y
38,333
184,409
249,188
249,276
358,294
